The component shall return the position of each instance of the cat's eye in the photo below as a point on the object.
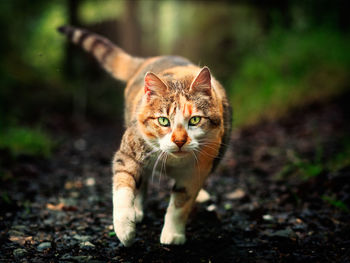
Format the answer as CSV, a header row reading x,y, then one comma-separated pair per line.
x,y
164,121
194,120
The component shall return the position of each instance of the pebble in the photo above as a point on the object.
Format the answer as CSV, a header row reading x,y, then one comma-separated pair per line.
x,y
288,232
81,238
82,258
86,245
90,181
268,217
211,208
21,228
228,206
16,233
203,196
43,246
80,144
19,252
235,195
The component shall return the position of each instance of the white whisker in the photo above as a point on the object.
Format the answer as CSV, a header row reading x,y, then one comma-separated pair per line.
x,y
213,142
161,167
197,163
155,165
207,154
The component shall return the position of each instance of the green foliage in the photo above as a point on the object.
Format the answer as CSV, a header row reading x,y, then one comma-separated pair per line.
x,y
342,158
302,168
290,69
307,168
112,234
45,47
5,197
92,11
20,140
337,203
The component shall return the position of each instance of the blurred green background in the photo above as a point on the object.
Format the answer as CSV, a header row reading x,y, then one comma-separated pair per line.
x,y
272,56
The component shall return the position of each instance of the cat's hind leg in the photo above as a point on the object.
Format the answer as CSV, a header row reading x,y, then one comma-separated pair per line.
x,y
140,199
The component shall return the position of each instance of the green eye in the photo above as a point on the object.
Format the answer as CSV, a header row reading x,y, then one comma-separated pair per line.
x,y
164,121
194,120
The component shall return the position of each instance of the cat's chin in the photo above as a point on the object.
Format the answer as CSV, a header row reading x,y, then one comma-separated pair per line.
x,y
179,154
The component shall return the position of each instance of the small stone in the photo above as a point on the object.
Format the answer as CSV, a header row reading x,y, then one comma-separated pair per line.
x,y
90,181
49,222
19,228
211,208
16,233
19,252
203,196
235,195
86,245
81,238
268,217
74,194
43,246
228,206
286,233
66,257
82,258
80,144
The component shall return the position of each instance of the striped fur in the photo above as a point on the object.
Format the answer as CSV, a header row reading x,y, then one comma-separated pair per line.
x,y
169,87
112,58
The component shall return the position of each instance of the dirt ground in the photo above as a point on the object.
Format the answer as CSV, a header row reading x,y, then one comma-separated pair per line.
x,y
282,194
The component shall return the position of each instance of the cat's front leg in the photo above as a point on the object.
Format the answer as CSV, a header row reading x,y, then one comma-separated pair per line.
x,y
124,217
182,198
126,184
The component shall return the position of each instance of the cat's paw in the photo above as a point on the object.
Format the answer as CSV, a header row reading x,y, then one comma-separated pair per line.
x,y
124,225
172,238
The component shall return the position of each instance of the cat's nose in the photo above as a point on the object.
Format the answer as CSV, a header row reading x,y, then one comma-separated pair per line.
x,y
180,143
179,136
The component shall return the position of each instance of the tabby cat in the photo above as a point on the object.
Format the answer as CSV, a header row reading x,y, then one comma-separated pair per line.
x,y
178,120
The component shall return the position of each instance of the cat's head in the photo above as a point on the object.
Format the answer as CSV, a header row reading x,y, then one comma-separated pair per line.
x,y
179,114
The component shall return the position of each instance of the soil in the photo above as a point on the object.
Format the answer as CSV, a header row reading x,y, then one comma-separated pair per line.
x,y
275,198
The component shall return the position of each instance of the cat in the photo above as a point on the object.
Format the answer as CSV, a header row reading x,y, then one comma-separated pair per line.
x,y
177,117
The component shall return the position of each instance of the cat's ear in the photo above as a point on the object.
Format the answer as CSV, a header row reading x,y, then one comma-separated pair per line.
x,y
202,83
154,85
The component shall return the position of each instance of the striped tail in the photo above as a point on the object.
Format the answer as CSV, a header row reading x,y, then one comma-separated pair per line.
x,y
112,58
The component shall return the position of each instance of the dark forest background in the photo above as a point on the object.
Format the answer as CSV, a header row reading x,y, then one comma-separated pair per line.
x,y
272,56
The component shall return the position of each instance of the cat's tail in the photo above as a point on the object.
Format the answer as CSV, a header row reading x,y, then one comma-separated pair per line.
x,y
112,58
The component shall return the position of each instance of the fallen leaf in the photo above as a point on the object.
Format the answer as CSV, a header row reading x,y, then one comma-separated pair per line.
x,y
58,207
21,240
61,207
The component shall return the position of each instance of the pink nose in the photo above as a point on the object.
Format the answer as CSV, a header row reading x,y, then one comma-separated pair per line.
x,y
179,143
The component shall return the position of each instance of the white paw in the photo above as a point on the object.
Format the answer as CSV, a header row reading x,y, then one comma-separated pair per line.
x,y
172,238
124,225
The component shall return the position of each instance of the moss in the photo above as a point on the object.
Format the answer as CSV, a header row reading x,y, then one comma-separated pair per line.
x,y
290,69
21,140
